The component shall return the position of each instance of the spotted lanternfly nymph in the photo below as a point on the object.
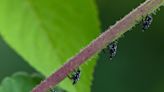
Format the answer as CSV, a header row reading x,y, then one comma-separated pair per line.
x,y
52,90
112,49
147,22
75,76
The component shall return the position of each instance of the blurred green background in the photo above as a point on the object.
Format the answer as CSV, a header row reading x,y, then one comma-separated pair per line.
x,y
11,62
138,65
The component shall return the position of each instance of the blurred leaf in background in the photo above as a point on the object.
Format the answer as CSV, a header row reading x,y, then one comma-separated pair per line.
x,y
48,32
11,62
20,82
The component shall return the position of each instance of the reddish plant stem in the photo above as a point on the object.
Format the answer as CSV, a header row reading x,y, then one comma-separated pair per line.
x,y
99,43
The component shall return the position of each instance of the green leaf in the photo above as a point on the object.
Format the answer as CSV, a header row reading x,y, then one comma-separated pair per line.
x,y
48,32
19,82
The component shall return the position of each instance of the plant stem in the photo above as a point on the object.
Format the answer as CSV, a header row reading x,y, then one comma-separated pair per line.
x,y
99,43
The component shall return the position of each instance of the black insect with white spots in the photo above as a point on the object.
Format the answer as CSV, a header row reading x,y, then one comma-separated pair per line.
x,y
112,49
147,22
52,90
75,76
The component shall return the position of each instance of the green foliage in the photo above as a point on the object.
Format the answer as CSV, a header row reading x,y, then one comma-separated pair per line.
x,y
19,82
48,32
